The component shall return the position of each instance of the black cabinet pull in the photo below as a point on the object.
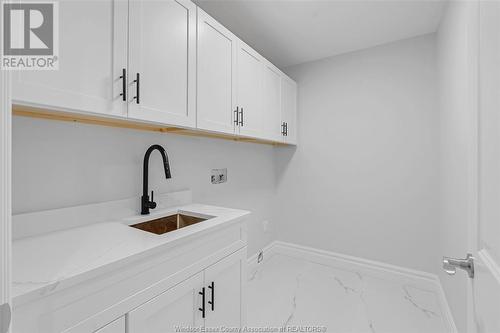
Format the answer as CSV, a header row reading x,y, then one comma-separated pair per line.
x,y
202,309
212,301
283,128
241,120
137,88
286,129
124,84
236,116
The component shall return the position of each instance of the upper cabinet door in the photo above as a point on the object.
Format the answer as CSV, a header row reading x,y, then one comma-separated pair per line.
x,y
92,55
216,75
162,61
176,308
289,109
225,284
271,102
249,91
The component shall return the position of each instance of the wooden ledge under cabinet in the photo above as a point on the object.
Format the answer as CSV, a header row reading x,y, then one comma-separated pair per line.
x,y
40,113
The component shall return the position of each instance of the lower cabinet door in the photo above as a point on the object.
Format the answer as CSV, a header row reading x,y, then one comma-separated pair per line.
x,y
172,311
225,282
117,326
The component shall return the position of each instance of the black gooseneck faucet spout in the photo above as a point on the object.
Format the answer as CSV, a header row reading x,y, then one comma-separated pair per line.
x,y
146,204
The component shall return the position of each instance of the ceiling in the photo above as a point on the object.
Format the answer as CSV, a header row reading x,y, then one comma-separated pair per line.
x,y
289,32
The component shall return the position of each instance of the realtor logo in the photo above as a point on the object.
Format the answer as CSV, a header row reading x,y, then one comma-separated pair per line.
x,y
30,36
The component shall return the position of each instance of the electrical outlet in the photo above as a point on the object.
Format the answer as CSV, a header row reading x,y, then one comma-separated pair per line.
x,y
218,176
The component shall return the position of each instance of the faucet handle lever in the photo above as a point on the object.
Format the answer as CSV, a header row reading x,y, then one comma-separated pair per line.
x,y
152,203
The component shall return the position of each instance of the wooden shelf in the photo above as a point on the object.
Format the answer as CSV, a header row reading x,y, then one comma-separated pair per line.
x,y
32,112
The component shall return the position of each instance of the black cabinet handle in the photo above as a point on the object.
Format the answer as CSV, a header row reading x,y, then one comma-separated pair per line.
x,y
286,129
212,301
124,84
236,116
137,88
241,120
202,309
283,128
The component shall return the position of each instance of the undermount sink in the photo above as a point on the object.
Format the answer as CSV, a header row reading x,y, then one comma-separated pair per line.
x,y
168,223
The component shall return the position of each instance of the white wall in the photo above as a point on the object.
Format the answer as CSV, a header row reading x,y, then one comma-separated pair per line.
x,y
456,76
363,180
61,164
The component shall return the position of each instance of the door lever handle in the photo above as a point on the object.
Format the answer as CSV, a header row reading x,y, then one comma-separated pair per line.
x,y
450,265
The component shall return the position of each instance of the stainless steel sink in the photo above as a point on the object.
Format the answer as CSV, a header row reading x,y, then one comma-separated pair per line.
x,y
168,223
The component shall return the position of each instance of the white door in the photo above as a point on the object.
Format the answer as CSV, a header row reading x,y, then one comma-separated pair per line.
x,y
271,108
175,309
92,56
289,109
225,284
249,91
216,74
486,245
117,326
162,60
5,200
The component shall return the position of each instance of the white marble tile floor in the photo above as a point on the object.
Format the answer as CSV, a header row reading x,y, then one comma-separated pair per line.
x,y
299,294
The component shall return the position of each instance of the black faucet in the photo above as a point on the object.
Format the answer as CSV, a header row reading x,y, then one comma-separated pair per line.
x,y
146,205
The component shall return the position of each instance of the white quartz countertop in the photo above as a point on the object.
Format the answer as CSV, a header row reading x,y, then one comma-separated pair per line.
x,y
64,258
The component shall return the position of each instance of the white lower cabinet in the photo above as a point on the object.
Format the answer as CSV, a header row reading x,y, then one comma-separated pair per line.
x,y
175,309
156,292
117,326
225,281
211,299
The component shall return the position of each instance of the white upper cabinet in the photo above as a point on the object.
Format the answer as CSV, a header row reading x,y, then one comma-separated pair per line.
x,y
238,91
258,95
92,55
216,74
272,100
162,61
249,91
175,309
289,110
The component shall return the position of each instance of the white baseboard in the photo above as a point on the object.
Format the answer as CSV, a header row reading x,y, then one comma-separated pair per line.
x,y
388,271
